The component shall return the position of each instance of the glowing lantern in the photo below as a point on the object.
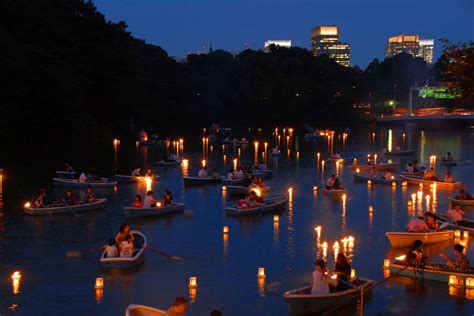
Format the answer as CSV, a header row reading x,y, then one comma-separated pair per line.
x,y
465,234
261,273
257,191
404,184
235,163
457,233
158,204
470,283
456,281
470,294
394,184
193,282
225,230
420,186
371,209
400,258
203,162
99,283
318,155
185,162
413,198
27,204
386,263
116,142
148,183
375,158
315,188
16,275
276,219
369,182
344,197
358,170
410,203
290,191
224,188
353,273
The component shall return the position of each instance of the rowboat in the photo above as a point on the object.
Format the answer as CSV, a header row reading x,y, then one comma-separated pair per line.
x,y
163,163
430,271
270,205
133,212
142,310
416,180
120,262
406,239
234,141
449,163
302,303
462,202
277,154
379,167
406,152
334,160
201,180
97,205
66,174
73,183
132,179
463,224
333,192
241,190
261,174
364,177
413,174
236,182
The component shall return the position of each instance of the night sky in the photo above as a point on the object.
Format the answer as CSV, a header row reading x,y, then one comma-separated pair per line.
x,y
185,26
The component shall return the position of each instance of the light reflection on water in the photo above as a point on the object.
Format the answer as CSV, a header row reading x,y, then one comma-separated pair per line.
x,y
226,264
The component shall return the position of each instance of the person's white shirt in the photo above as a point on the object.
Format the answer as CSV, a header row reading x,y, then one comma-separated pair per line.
x,y
126,249
409,169
275,150
238,174
148,201
83,178
320,284
230,176
136,172
202,173
110,251
173,157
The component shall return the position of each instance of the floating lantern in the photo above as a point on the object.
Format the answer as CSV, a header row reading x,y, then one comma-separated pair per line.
x,y
290,192
225,230
470,294
457,233
185,162
203,162
235,163
404,184
344,197
224,188
456,281
27,204
318,155
394,184
148,183
137,143
315,188
318,229
261,273
116,142
470,283
324,245
369,182
410,203
257,191
115,188
358,170
16,277
413,198
371,209
193,282
465,234
276,218
375,158
386,263
158,204
99,283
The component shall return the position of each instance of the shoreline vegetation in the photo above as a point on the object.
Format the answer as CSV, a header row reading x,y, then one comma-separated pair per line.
x,y
70,75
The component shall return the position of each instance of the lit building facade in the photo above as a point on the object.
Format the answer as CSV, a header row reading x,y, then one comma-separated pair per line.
x,y
412,45
325,41
279,43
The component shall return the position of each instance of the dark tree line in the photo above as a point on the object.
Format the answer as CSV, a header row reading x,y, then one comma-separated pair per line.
x,y
68,74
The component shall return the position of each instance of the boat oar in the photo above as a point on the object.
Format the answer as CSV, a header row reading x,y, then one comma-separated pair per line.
x,y
163,253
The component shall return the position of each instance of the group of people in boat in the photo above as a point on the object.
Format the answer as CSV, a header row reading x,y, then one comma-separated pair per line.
x,y
240,172
413,167
137,172
420,224
463,195
430,175
122,245
250,200
180,306
169,158
69,199
204,173
325,282
149,201
333,183
417,257
87,178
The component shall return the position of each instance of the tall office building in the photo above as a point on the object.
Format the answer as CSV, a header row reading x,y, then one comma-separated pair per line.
x,y
412,45
325,41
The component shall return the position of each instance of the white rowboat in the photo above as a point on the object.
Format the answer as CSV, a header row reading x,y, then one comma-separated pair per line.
x,y
97,205
134,212
120,262
72,183
439,184
364,177
333,192
241,190
462,202
431,271
270,205
406,239
142,310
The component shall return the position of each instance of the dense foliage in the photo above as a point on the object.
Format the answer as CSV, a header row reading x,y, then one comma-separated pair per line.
x,y
67,73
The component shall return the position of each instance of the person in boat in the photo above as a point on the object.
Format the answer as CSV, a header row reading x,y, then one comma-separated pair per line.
x,y
416,166
40,201
167,197
149,173
387,175
415,255
256,199
136,172
409,168
138,201
68,168
448,158
83,178
173,157
262,167
110,249
275,150
179,307
126,247
430,175
90,196
343,270
149,200
230,175
456,213
417,225
247,180
370,160
215,174
462,195
248,168
336,156
124,231
321,279
330,182
69,199
337,185
431,222
245,203
448,178
202,173
461,261
239,173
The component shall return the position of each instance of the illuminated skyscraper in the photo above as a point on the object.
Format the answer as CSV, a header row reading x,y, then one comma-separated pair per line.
x,y
325,41
412,45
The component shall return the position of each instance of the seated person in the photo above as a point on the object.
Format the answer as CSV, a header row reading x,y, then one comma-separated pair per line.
x,y
167,197
448,178
69,199
448,158
461,195
430,175
178,308
124,231
456,213
126,247
230,175
90,196
417,225
111,249
330,182
460,261
138,201
203,172
82,178
246,202
136,172
415,255
256,200
343,270
321,279
416,167
215,174
149,200
337,185
239,173
41,199
248,168
262,167
409,168
431,222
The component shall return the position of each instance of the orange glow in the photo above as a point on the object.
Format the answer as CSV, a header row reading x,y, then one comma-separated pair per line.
x,y
99,283
27,204
261,273
203,162
225,229
193,282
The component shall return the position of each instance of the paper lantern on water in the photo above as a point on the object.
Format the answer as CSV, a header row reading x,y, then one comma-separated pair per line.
x,y
261,273
99,283
193,282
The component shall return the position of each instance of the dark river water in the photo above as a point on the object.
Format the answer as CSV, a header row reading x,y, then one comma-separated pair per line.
x,y
226,267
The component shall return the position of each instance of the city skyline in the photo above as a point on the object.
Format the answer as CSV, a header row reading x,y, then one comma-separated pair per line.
x,y
184,27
